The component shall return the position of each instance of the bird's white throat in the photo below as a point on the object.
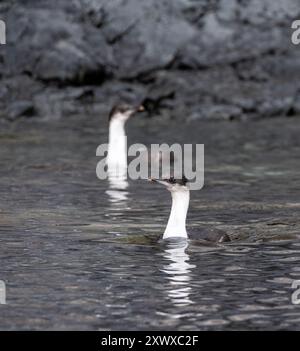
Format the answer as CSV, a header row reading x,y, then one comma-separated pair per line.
x,y
117,145
176,226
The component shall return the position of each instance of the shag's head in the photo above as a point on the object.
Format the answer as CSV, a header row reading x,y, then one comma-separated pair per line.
x,y
123,112
173,184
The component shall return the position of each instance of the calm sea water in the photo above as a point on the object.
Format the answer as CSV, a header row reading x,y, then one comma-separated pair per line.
x,y
76,256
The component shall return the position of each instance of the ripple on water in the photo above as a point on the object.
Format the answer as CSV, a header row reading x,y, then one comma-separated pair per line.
x,y
78,255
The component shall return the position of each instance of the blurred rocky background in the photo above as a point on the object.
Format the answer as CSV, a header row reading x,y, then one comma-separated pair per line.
x,y
185,59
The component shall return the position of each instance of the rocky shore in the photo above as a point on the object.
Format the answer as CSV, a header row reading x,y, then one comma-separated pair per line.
x,y
185,59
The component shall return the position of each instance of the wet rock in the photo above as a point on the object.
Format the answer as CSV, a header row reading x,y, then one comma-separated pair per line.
x,y
278,107
20,109
58,103
295,109
223,112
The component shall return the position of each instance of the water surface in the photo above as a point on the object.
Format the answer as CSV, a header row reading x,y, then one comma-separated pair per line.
x,y
75,256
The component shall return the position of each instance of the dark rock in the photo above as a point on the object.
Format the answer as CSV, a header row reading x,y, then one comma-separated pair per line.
x,y
20,109
145,35
50,46
213,59
223,112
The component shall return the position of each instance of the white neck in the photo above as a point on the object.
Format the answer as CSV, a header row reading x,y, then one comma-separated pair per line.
x,y
117,144
176,226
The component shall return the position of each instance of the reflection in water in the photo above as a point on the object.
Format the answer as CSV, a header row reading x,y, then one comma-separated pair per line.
x,y
178,273
103,283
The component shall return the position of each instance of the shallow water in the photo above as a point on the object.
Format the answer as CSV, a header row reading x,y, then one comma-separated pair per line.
x,y
74,256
